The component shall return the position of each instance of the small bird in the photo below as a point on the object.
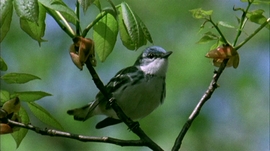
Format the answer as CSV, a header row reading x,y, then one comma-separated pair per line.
x,y
138,89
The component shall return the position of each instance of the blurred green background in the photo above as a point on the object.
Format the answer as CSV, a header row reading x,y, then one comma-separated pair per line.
x,y
235,118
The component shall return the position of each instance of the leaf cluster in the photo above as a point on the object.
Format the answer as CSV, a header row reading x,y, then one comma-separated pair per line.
x,y
28,97
32,14
111,20
254,16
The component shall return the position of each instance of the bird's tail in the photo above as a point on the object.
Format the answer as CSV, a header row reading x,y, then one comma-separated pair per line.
x,y
83,113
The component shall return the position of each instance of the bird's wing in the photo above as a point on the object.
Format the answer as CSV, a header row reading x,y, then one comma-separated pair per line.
x,y
123,77
127,75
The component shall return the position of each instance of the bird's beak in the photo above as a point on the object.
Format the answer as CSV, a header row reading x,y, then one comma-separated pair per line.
x,y
167,54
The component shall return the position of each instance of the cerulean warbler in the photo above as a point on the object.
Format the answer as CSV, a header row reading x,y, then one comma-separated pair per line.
x,y
138,89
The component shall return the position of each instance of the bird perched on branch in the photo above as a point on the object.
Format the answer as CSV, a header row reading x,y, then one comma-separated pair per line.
x,y
138,89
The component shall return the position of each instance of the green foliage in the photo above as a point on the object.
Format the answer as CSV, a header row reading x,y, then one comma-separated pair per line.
x,y
133,32
32,14
43,115
3,65
208,36
26,96
86,3
59,5
30,96
199,13
19,135
257,1
4,96
35,29
18,78
105,34
224,24
6,7
27,9
255,16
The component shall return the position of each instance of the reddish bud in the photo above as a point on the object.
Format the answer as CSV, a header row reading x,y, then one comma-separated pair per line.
x,y
224,52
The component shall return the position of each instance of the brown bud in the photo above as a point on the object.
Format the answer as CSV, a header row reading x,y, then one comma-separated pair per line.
x,y
81,50
224,52
5,129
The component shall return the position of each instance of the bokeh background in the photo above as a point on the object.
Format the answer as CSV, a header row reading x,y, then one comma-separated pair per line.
x,y
235,118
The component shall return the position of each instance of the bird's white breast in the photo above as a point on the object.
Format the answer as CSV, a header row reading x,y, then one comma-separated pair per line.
x,y
141,99
157,67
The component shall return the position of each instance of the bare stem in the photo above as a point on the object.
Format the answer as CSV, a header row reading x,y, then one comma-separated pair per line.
x,y
218,30
253,34
88,27
242,23
61,25
78,27
65,21
207,95
83,138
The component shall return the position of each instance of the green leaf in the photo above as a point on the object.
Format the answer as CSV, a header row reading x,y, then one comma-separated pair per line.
x,y
209,36
18,78
258,1
19,135
256,16
3,65
59,5
217,44
30,96
133,32
27,9
35,30
4,96
132,25
199,13
85,4
44,116
6,7
105,34
224,24
124,35
205,39
97,3
145,30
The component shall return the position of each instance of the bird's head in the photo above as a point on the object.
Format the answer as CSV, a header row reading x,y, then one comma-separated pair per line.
x,y
154,60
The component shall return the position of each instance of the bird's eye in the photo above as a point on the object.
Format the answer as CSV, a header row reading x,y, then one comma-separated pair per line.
x,y
150,55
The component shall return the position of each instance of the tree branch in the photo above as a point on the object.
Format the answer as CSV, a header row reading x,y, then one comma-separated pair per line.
x,y
253,34
67,29
207,95
133,126
57,133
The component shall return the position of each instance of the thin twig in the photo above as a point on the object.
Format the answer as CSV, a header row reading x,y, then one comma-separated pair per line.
x,y
242,23
207,95
78,27
83,138
218,30
61,25
88,27
65,21
253,34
